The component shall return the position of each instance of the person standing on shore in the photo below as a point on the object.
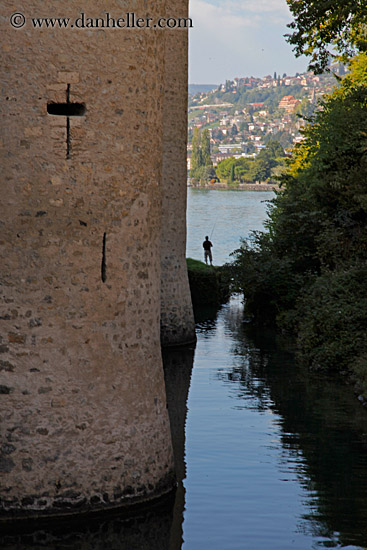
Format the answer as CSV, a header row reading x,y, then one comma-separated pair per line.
x,y
207,245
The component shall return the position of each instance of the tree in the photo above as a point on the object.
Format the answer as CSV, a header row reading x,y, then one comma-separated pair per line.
x,y
196,158
234,130
266,161
205,174
232,169
274,149
261,169
283,137
321,25
232,174
217,133
228,85
205,149
250,147
201,163
224,168
242,169
308,270
305,108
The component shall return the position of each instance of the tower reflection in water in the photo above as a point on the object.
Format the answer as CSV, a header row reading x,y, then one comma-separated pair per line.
x,y
178,365
158,527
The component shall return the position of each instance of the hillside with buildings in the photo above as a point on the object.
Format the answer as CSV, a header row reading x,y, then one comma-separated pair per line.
x,y
244,114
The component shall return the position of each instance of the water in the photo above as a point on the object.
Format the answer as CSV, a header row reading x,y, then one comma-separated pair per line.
x,y
226,217
267,455
275,458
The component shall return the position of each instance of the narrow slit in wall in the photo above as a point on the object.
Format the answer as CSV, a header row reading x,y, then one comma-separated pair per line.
x,y
68,138
104,267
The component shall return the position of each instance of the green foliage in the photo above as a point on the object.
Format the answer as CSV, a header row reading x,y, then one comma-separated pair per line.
x,y
266,160
205,149
201,163
198,266
305,109
320,26
209,285
224,167
196,158
332,319
308,271
283,137
269,96
268,282
234,130
231,174
242,169
249,170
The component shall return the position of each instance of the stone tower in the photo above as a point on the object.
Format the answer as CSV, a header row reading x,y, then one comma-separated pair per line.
x,y
83,410
177,319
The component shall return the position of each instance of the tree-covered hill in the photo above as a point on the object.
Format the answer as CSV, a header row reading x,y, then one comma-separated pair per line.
x,y
241,96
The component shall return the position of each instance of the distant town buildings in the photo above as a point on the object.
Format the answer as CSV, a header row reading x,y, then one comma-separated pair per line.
x,y
242,128
289,103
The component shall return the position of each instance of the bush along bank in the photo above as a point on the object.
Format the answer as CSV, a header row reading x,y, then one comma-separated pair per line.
x,y
308,271
209,285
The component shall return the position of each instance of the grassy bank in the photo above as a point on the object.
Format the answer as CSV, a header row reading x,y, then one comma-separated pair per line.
x,y
209,285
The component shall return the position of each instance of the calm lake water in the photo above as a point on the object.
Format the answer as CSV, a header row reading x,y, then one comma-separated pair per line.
x,y
226,217
268,456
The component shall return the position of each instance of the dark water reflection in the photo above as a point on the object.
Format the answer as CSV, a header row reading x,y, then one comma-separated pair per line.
x,y
178,365
149,530
267,456
157,527
314,443
323,431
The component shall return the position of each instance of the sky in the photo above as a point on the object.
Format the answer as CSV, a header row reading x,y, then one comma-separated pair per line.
x,y
236,38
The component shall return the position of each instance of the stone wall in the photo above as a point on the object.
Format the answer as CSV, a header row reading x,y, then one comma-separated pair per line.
x,y
83,409
177,319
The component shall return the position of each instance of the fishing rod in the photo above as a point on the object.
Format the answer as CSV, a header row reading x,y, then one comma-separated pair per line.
x,y
213,229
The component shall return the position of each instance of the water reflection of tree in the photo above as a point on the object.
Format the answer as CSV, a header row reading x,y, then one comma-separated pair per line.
x,y
323,430
206,319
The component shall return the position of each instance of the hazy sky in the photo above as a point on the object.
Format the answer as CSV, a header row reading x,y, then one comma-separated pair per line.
x,y
239,38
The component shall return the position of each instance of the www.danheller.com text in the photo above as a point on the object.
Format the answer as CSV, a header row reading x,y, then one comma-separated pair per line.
x,y
128,20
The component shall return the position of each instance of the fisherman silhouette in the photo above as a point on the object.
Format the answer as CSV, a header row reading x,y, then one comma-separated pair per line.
x,y
207,245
